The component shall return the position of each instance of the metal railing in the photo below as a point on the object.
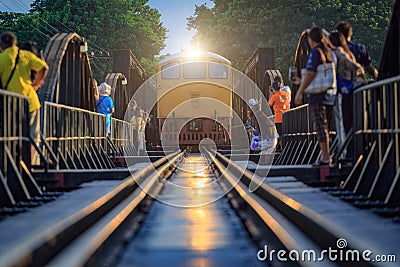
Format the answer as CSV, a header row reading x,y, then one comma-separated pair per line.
x,y
16,183
77,136
376,172
123,135
299,142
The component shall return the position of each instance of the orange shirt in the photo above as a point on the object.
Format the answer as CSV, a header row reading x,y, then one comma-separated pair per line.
x,y
280,103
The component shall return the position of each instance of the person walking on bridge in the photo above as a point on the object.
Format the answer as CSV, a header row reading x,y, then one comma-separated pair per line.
x,y
280,102
362,57
320,105
15,72
104,102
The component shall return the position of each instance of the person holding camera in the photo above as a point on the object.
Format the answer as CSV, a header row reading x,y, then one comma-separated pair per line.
x,y
279,102
284,87
15,76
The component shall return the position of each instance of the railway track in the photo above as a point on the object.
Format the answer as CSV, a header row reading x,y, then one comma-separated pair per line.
x,y
74,241
263,228
280,224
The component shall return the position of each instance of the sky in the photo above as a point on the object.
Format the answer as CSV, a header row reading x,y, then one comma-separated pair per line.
x,y
173,17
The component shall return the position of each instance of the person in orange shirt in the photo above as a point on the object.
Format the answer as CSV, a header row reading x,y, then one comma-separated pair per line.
x,y
279,101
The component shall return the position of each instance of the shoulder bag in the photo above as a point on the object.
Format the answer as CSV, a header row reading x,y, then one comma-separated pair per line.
x,y
324,79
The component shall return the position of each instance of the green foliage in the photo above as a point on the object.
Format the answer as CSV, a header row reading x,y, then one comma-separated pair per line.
x,y
236,28
105,24
21,24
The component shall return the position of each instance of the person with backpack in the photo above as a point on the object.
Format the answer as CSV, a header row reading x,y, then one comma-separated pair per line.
x,y
104,102
284,88
280,103
349,73
363,58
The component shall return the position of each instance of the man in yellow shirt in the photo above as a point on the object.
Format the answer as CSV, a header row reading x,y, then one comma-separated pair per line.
x,y
20,81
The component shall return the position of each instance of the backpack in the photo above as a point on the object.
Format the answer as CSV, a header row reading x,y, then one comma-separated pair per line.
x,y
347,79
255,142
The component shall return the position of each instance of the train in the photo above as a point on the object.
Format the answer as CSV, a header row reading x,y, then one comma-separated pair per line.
x,y
194,99
200,96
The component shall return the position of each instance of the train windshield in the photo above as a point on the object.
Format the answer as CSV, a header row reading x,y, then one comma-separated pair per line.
x,y
194,70
217,71
171,71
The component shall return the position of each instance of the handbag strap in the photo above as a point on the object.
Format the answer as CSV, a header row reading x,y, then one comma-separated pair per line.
x,y
101,101
13,70
323,59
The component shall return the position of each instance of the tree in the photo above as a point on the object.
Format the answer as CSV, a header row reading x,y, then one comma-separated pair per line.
x,y
236,28
105,24
27,27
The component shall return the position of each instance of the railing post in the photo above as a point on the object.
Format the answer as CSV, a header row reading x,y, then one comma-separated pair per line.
x,y
298,131
16,183
72,132
376,142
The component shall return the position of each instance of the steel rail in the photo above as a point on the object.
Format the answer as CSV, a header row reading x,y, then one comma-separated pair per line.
x,y
267,201
39,249
83,249
290,237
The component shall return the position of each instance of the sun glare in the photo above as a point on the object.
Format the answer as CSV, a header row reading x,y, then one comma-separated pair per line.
x,y
193,53
202,182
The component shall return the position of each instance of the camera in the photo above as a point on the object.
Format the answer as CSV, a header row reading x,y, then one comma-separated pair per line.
x,y
276,85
